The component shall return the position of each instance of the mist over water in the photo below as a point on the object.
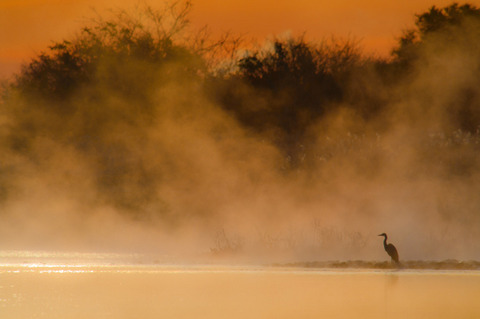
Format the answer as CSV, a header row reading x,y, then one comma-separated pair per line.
x,y
150,151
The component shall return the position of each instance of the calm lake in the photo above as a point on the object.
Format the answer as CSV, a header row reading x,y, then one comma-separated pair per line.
x,y
95,290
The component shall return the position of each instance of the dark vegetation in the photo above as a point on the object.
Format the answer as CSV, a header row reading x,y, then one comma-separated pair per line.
x,y
100,94
449,264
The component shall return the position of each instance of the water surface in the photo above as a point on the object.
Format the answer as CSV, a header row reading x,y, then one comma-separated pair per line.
x,y
114,290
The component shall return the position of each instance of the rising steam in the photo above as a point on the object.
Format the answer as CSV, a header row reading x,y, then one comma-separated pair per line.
x,y
127,138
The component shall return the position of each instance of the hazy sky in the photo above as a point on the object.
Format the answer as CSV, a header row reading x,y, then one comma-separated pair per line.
x,y
29,26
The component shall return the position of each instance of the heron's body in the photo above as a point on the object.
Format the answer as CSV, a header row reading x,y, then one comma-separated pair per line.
x,y
390,249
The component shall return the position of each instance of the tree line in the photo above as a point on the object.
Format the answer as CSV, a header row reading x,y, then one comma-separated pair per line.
x,y
111,78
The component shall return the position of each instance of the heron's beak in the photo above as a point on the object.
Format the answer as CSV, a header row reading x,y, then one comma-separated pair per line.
x,y
380,235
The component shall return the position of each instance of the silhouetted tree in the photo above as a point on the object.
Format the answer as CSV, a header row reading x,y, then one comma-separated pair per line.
x,y
449,22
442,38
151,40
85,90
104,91
292,83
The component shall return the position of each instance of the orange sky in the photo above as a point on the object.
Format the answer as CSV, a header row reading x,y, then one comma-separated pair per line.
x,y
29,26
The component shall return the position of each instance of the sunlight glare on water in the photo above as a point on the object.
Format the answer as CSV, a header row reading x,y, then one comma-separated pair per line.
x,y
114,290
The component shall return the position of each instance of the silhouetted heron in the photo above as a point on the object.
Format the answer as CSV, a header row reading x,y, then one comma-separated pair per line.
x,y
390,249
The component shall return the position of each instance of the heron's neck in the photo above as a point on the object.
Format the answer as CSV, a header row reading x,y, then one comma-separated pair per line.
x,y
385,242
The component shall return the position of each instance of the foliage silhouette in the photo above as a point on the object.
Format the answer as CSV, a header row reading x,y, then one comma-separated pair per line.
x,y
88,91
103,92
441,38
450,24
300,81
